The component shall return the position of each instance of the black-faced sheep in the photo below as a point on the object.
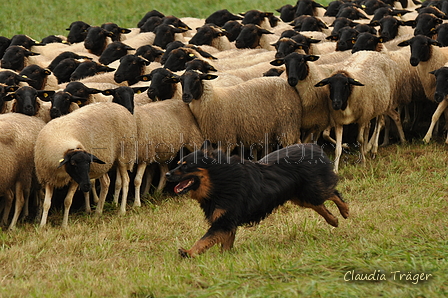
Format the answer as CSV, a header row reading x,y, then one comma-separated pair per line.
x,y
269,111
19,134
351,103
164,128
303,76
426,56
73,149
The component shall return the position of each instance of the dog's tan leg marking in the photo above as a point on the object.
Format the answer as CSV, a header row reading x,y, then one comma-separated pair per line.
x,y
321,209
342,206
225,238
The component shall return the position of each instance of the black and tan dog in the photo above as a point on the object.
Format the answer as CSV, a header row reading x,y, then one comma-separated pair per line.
x,y
233,192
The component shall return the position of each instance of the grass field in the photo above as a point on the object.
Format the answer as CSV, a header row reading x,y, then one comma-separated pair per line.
x,y
396,234
398,222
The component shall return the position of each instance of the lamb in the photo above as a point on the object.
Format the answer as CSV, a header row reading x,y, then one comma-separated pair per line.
x,y
85,144
19,134
263,109
164,129
358,105
426,58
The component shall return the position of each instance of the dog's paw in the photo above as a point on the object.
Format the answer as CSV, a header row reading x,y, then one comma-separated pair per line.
x,y
184,253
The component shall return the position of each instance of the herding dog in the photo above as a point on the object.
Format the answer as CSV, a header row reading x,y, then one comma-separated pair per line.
x,y
233,192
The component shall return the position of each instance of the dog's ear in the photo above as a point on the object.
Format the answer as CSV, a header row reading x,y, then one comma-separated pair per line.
x,y
206,147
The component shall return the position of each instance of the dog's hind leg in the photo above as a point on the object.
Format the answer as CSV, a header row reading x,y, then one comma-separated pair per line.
x,y
225,238
342,206
322,210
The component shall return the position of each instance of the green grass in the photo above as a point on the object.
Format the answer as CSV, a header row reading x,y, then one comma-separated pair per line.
x,y
398,222
40,18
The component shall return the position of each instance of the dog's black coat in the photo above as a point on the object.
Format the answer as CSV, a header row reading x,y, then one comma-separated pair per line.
x,y
233,192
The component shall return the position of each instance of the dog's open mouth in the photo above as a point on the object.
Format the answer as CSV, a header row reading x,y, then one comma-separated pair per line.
x,y
183,186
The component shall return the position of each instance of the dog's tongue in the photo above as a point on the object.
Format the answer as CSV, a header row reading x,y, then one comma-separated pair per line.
x,y
182,185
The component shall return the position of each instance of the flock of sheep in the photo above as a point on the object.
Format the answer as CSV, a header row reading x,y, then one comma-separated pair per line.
x,y
106,98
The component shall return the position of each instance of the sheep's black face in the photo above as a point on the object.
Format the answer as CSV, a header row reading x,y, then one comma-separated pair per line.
x,y
420,48
26,101
388,28
192,87
14,58
60,104
365,42
204,36
177,58
249,37
77,165
441,92
162,84
296,68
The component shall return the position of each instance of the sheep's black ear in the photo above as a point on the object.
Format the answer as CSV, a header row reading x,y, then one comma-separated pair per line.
x,y
355,82
433,72
277,62
174,78
322,83
93,158
332,37
64,160
78,100
94,91
45,95
108,92
208,76
435,42
311,57
374,23
404,43
144,78
139,90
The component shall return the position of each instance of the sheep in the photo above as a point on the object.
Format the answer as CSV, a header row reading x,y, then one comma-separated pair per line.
x,y
150,53
148,15
114,51
220,17
426,57
232,29
116,30
4,90
132,66
12,78
165,34
4,44
253,36
17,57
268,110
308,7
19,134
213,36
164,83
97,39
350,104
441,75
66,54
303,76
391,28
88,93
89,69
26,101
85,144
41,78
164,129
77,31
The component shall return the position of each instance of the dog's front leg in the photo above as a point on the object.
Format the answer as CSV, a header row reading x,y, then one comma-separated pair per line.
x,y
212,237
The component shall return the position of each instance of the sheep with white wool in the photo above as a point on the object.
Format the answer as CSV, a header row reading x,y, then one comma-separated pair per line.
x,y
303,75
164,128
262,110
83,145
351,103
427,56
17,140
